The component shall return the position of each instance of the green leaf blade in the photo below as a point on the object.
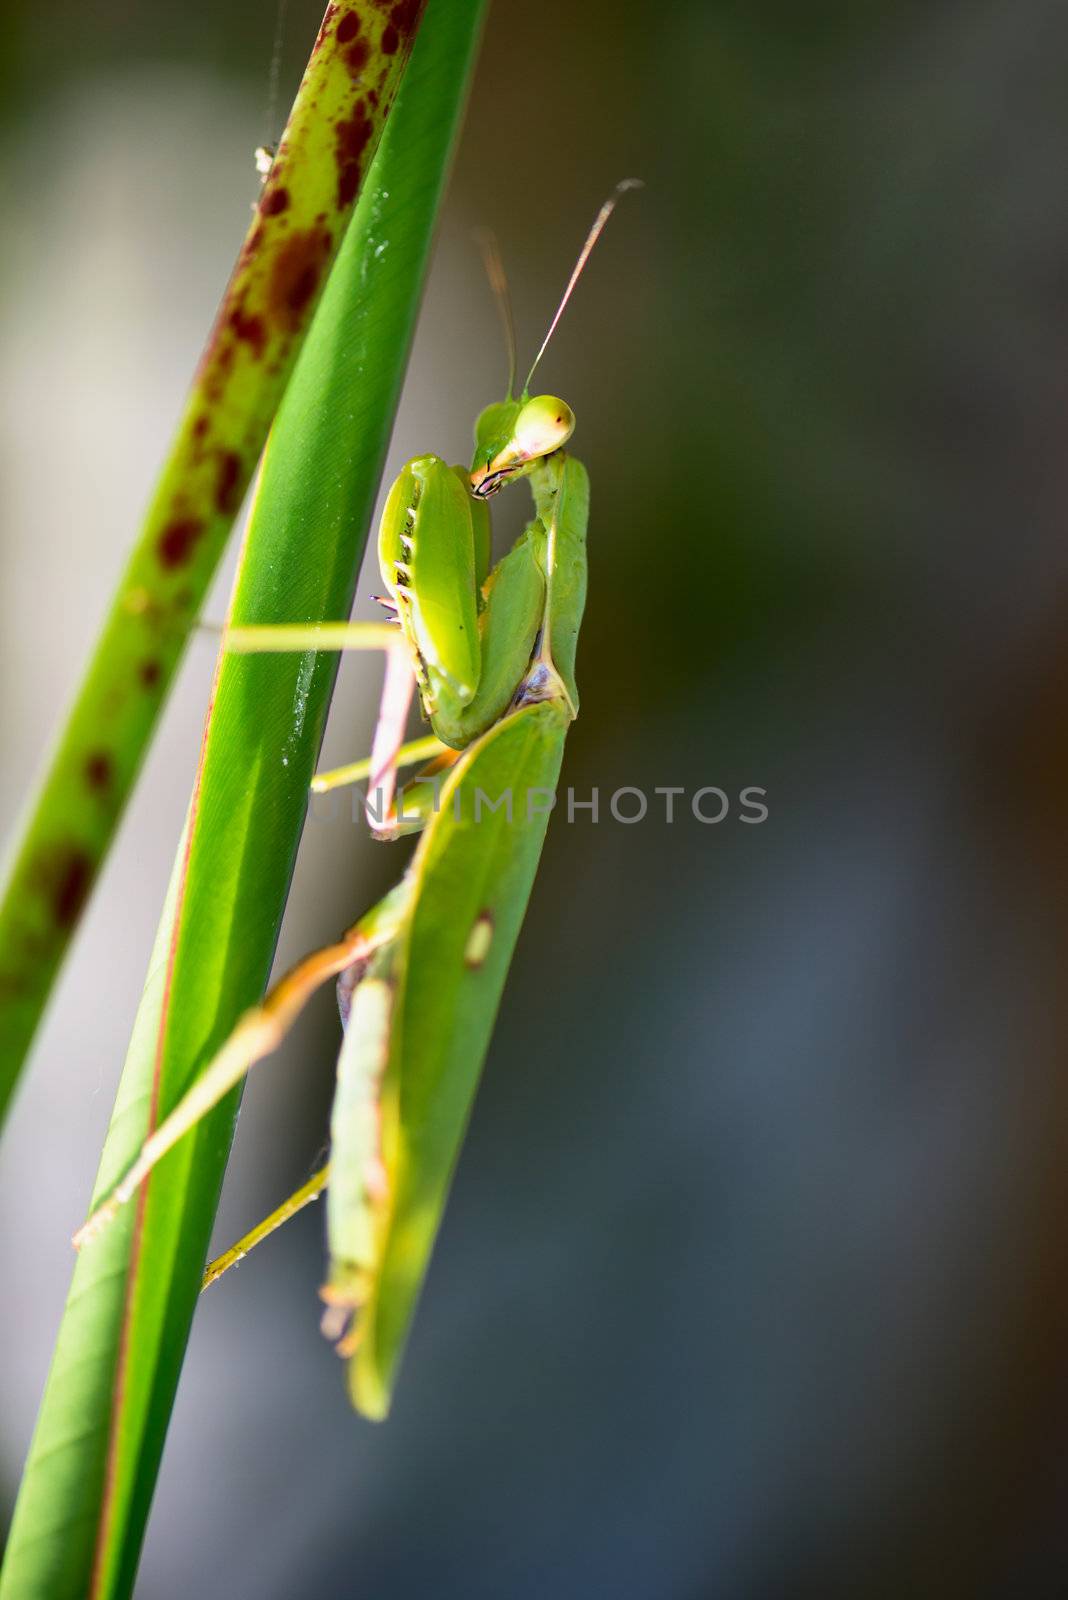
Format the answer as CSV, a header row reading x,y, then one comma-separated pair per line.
x,y
300,221
86,1491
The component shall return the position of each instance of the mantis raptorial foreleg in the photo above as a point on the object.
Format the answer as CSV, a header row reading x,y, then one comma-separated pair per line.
x,y
398,686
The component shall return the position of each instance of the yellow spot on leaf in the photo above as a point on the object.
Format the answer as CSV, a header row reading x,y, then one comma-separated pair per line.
x,y
478,941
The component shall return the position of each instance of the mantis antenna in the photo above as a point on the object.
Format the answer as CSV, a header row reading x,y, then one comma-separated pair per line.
x,y
498,281
275,71
583,256
266,152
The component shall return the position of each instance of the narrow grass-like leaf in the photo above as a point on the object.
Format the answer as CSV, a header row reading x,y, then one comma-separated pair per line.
x,y
84,1499
332,133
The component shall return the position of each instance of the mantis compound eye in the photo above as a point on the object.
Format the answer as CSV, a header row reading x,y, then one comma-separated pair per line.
x,y
542,426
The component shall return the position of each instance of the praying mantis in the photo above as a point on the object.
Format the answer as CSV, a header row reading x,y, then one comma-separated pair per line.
x,y
491,652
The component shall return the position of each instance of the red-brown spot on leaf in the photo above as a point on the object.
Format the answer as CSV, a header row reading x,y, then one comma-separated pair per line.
x,y
70,876
356,56
249,329
150,673
331,13
275,200
351,136
296,274
228,483
348,27
250,247
200,427
99,770
390,40
405,15
177,540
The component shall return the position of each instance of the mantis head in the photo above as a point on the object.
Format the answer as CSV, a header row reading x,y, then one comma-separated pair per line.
x,y
512,436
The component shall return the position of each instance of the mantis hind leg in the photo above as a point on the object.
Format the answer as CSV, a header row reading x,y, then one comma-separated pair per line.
x,y
398,686
309,1191
417,802
257,1034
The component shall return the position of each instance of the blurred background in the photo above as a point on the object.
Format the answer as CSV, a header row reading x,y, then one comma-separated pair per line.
x,y
754,1282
